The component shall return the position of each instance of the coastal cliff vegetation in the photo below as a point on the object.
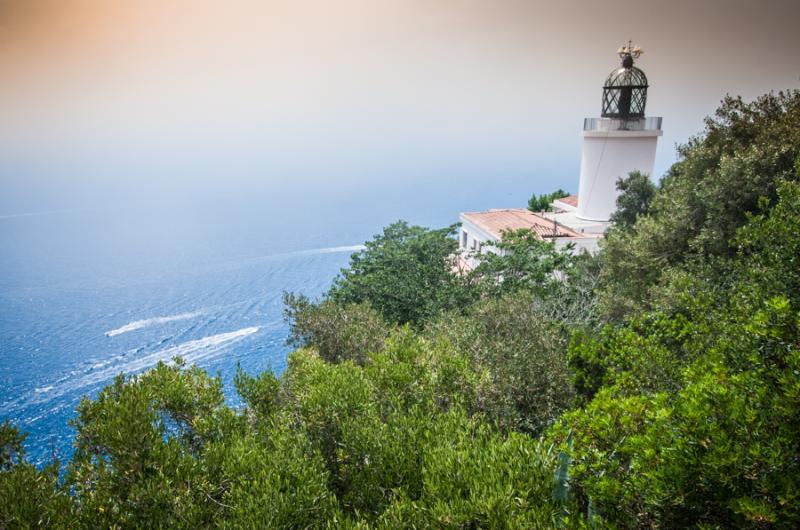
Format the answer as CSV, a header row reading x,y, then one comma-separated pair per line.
x,y
654,385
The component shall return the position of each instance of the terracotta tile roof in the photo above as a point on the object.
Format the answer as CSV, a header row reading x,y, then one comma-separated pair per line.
x,y
572,200
495,222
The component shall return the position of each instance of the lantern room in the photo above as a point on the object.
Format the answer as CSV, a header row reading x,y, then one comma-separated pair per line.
x,y
625,89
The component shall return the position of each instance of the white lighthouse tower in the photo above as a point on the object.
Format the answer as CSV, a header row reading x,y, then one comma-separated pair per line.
x,y
620,141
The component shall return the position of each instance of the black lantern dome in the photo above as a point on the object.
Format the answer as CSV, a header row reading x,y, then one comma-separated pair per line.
x,y
625,89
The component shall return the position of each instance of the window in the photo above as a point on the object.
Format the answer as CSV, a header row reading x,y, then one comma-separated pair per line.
x,y
463,239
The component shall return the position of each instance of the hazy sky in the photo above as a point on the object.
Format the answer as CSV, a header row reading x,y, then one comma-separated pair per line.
x,y
111,100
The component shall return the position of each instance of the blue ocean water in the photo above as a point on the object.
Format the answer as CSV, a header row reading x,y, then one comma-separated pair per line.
x,y
85,295
88,293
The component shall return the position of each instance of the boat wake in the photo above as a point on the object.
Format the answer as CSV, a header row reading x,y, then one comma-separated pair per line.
x,y
191,352
327,250
139,324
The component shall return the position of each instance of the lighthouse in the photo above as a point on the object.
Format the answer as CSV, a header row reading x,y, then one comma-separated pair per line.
x,y
622,140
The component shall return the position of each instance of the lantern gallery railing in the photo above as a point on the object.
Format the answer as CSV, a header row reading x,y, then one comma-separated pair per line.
x,y
616,124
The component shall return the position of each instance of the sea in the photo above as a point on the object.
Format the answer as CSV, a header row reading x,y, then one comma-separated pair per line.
x,y
88,293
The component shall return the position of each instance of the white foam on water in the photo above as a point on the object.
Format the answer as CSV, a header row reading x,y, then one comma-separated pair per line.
x,y
44,212
191,352
328,250
139,324
232,265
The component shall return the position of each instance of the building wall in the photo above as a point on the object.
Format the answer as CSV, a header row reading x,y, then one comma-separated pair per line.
x,y
475,236
606,157
476,239
589,244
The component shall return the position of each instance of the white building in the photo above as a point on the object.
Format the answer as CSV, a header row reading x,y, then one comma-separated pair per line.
x,y
620,141
479,230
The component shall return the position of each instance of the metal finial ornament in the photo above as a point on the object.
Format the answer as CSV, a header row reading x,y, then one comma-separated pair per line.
x,y
630,49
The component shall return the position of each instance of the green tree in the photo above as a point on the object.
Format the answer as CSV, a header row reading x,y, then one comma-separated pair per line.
x,y
521,261
31,497
636,194
275,480
542,203
770,247
139,450
405,273
12,450
476,478
260,393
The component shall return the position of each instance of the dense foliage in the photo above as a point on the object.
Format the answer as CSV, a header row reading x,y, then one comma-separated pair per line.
x,y
388,444
656,385
691,392
722,176
694,414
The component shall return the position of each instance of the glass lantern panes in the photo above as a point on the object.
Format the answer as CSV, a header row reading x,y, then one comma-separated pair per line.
x,y
625,94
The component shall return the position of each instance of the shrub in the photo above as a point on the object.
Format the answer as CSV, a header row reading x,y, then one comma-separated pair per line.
x,y
337,332
521,357
276,481
476,478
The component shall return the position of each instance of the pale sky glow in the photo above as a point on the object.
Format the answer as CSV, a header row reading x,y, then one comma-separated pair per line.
x,y
113,99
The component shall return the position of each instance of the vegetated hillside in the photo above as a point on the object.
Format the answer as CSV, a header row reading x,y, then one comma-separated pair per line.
x,y
658,386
